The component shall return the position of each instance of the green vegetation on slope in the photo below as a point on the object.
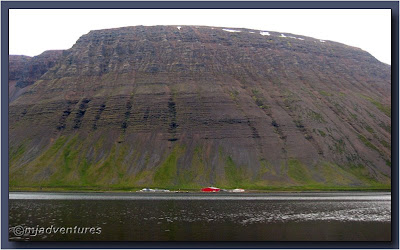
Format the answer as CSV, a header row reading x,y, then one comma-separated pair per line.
x,y
166,174
316,116
299,172
234,174
384,108
77,172
361,172
322,133
368,143
324,93
16,153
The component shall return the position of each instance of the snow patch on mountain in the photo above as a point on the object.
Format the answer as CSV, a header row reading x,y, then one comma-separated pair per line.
x,y
265,33
229,30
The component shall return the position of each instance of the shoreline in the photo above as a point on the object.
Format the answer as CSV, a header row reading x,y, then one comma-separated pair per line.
x,y
172,191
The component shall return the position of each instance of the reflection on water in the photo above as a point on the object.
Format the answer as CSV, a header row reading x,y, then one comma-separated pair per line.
x,y
137,216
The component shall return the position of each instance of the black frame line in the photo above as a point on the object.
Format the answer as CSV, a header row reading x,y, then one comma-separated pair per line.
x,y
393,5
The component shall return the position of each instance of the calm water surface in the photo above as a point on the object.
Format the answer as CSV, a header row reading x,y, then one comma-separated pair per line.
x,y
344,216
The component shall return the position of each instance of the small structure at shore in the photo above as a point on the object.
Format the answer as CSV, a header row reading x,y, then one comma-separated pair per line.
x,y
153,190
238,190
210,189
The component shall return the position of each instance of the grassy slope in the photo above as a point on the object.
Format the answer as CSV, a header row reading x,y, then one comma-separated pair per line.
x,y
68,167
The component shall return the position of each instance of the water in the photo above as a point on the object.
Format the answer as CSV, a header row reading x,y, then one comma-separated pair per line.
x,y
344,216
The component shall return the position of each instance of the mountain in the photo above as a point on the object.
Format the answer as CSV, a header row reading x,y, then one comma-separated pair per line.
x,y
187,107
25,70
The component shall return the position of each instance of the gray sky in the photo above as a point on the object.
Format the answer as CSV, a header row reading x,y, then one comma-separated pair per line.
x,y
34,31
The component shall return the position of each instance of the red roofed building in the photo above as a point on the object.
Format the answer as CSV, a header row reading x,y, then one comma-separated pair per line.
x,y
210,189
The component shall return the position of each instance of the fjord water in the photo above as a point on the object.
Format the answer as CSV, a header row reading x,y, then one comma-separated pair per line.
x,y
330,216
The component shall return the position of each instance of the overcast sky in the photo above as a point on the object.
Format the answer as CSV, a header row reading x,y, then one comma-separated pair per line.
x,y
34,31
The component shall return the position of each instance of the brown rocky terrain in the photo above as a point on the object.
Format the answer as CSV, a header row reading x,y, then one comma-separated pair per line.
x,y
185,107
25,70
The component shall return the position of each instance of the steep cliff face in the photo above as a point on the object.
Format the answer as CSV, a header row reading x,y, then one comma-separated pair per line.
x,y
25,70
169,106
